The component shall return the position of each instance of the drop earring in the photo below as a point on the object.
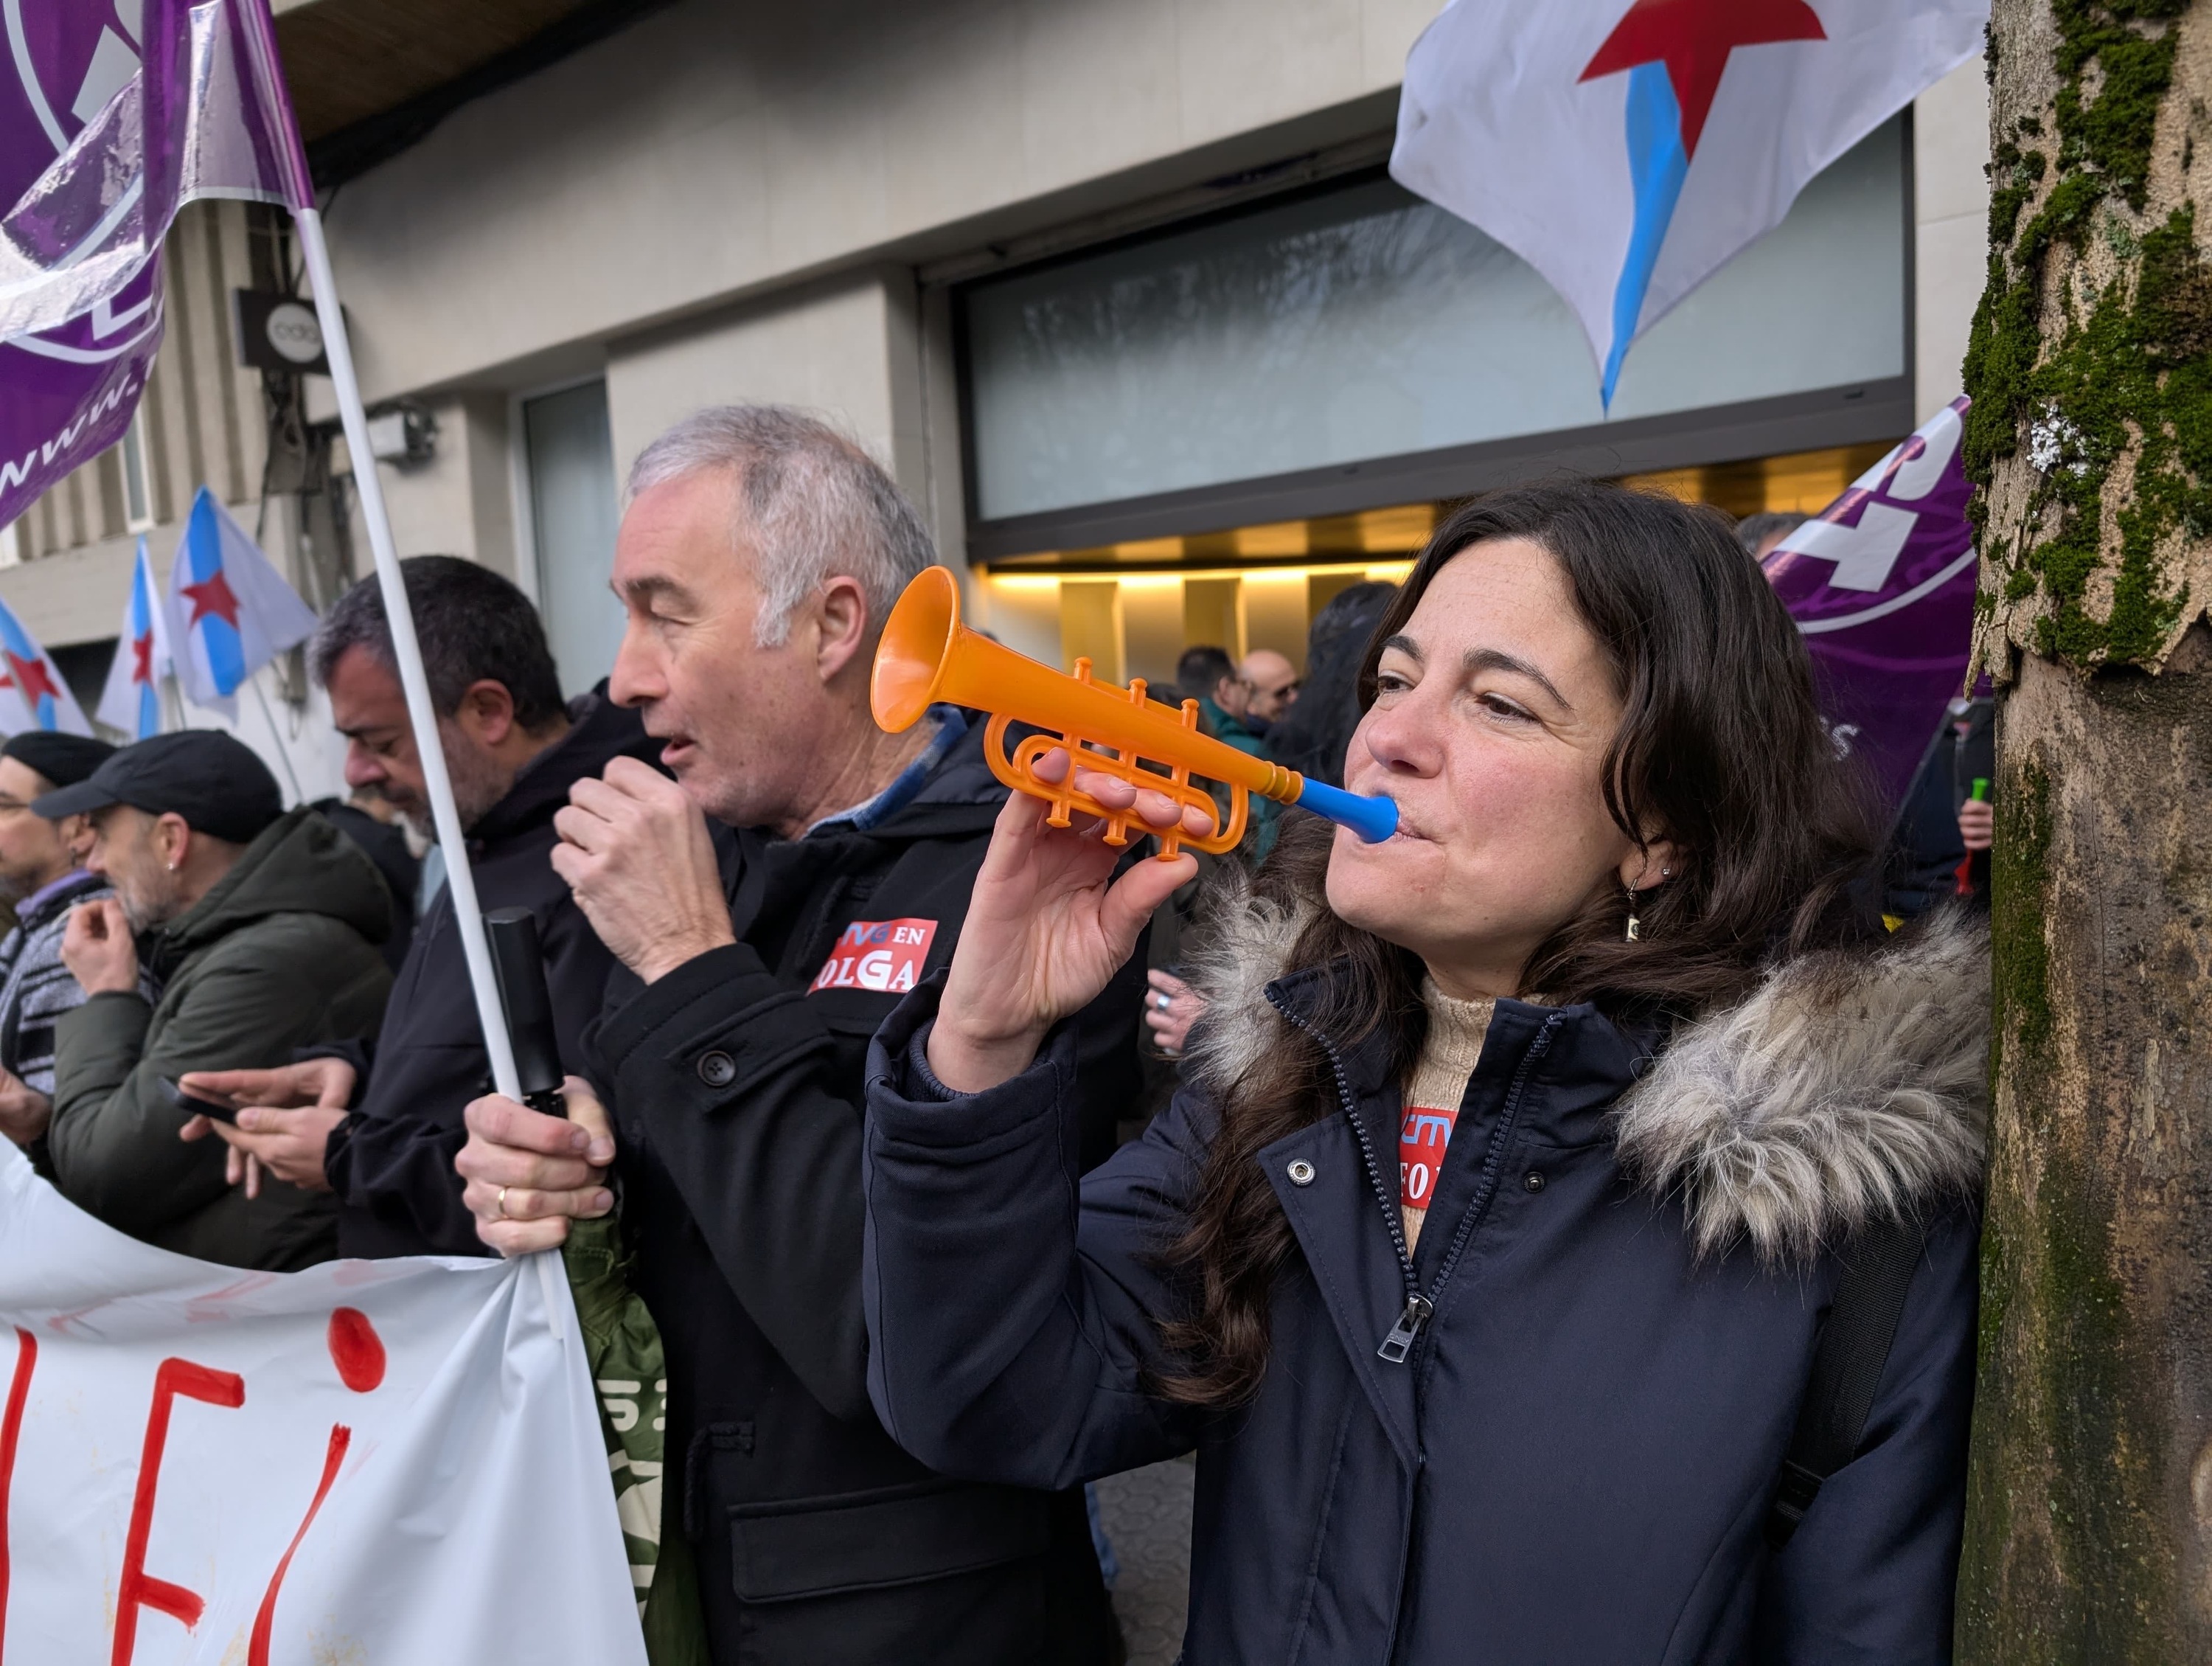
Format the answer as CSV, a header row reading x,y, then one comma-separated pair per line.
x,y
1633,922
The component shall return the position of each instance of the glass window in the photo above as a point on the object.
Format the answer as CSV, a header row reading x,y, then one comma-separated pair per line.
x,y
573,516
1360,322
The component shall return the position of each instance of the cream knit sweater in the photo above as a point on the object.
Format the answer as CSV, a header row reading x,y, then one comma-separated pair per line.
x,y
1433,1094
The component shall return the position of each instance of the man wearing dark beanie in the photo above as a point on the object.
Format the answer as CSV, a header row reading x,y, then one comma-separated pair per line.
x,y
260,927
41,877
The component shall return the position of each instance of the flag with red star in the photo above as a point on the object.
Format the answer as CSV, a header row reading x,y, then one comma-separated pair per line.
x,y
131,702
230,611
1627,149
34,694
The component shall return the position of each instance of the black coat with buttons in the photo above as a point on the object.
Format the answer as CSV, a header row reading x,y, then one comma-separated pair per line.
x,y
1572,1457
391,1162
737,1088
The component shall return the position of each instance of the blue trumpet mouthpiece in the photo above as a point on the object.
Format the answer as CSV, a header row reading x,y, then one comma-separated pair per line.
x,y
1373,819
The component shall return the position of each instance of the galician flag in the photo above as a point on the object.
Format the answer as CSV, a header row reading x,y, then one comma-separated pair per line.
x,y
1627,149
131,702
113,114
230,611
34,694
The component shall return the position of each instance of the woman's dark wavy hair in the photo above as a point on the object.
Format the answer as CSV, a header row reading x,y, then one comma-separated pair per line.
x,y
1720,748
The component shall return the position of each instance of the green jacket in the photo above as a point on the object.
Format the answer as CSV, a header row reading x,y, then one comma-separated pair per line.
x,y
280,953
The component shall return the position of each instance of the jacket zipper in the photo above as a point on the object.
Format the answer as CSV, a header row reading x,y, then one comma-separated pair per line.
x,y
1493,1161
1415,1314
1398,1346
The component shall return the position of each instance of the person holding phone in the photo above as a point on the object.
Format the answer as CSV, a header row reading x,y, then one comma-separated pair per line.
x,y
1662,1097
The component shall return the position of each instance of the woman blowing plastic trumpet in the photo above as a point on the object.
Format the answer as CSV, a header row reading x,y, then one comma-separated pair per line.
x,y
1485,1260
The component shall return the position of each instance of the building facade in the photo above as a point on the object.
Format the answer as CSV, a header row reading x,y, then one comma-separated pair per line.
x,y
1117,289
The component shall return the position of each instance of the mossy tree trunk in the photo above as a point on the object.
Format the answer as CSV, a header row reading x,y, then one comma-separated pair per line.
x,y
2089,1511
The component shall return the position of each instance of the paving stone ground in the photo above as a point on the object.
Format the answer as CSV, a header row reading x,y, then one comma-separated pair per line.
x,y
1146,1513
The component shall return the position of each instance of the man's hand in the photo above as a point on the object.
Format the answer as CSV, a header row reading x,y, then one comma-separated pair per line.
x,y
24,1111
634,851
98,950
1978,823
1171,1006
528,1175
285,1116
328,1083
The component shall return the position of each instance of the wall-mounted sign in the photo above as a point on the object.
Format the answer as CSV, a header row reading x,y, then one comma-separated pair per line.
x,y
278,332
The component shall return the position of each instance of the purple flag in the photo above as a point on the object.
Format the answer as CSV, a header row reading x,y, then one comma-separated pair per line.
x,y
1881,583
113,114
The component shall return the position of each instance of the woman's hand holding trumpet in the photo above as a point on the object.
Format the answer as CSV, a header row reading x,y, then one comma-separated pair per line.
x,y
1048,925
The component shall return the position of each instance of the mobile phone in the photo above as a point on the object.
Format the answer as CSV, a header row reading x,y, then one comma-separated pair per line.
x,y
192,1106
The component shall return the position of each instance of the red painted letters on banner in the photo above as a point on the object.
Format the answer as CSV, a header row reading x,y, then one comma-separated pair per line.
x,y
138,1588
11,1430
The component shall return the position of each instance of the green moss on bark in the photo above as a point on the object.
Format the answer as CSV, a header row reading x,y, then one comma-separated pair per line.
x,y
2111,132
2064,1372
2130,371
2019,896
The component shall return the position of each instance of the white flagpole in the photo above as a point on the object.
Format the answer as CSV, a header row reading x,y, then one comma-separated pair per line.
x,y
408,654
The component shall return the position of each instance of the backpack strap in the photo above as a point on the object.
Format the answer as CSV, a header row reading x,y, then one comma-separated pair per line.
x,y
1847,1367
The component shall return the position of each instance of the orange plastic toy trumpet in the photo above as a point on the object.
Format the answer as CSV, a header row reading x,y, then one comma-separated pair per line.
x,y
926,655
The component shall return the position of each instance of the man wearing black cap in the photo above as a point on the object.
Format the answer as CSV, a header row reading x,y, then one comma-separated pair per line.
x,y
261,928
41,876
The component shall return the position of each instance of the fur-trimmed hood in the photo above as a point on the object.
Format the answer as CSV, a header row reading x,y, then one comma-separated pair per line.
x,y
1848,1085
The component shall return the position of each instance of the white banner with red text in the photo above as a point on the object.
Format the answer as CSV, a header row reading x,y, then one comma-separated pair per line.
x,y
367,1463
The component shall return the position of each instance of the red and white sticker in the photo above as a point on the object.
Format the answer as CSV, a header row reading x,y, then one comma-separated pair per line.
x,y
1421,1145
886,956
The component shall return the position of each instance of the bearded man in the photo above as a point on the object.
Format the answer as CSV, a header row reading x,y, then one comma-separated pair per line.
x,y
261,928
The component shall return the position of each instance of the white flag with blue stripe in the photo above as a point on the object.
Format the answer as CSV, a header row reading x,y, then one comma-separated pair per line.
x,y
34,693
131,702
230,611
1628,149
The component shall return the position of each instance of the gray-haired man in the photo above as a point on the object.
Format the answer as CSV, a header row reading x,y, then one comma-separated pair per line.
x,y
758,556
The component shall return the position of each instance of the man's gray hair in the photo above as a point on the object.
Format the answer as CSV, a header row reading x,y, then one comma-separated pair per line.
x,y
811,502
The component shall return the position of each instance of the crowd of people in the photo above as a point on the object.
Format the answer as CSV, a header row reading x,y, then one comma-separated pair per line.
x,y
854,1037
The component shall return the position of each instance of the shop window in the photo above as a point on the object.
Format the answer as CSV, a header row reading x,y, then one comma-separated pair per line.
x,y
569,450
1248,587
1281,357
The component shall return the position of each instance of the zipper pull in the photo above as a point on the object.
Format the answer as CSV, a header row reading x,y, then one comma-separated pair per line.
x,y
1399,1342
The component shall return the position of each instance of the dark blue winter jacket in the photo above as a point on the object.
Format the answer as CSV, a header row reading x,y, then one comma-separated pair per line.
x,y
1626,1255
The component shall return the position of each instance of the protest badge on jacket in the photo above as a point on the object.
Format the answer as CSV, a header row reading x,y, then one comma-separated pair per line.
x,y
1882,584
1628,149
370,1461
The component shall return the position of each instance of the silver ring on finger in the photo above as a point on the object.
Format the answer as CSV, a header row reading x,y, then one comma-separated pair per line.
x,y
500,1202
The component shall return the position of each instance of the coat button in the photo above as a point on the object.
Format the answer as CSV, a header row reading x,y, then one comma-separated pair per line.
x,y
1534,1180
717,1069
1301,1172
